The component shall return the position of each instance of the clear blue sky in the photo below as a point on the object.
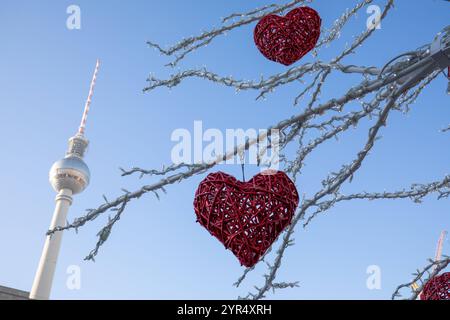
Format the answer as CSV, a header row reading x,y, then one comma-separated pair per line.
x,y
157,250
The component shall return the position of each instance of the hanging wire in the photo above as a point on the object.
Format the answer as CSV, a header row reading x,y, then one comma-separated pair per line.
x,y
410,53
242,158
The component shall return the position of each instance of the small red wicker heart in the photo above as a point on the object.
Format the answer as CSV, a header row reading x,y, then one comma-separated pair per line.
x,y
246,217
437,288
287,39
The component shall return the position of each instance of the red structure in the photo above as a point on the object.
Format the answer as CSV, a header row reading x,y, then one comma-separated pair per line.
x,y
246,217
437,288
287,39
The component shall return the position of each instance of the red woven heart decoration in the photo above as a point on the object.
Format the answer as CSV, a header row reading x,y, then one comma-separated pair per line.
x,y
437,288
246,217
287,39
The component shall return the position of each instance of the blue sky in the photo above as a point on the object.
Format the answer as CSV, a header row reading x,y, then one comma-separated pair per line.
x,y
157,250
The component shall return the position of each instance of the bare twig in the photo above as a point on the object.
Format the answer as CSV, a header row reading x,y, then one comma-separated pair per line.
x,y
422,277
188,45
415,193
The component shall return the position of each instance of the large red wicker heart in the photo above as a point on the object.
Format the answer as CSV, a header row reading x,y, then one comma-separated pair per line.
x,y
437,288
246,217
287,39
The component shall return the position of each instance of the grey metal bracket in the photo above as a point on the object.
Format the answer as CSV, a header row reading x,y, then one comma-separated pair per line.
x,y
439,54
439,58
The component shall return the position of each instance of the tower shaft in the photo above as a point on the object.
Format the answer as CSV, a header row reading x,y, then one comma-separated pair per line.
x,y
44,276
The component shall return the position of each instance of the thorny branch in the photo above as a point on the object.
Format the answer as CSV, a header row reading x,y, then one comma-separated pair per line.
x,y
335,31
190,44
382,90
265,86
250,13
422,277
104,233
415,193
165,170
446,129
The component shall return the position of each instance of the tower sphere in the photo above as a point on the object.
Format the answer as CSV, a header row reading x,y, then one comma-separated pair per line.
x,y
69,173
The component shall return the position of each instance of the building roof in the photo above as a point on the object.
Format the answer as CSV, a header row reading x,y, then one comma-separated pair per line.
x,y
12,294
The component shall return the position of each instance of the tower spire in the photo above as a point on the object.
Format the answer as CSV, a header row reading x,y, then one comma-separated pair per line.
x,y
439,246
87,105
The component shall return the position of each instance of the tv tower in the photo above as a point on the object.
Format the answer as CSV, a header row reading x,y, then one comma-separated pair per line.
x,y
68,177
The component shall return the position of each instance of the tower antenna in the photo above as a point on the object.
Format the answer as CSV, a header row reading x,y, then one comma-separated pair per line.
x,y
88,100
439,246
437,257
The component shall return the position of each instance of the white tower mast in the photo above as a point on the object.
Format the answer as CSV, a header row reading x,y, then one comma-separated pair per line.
x,y
437,257
68,176
439,246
